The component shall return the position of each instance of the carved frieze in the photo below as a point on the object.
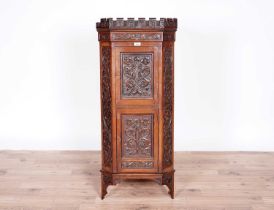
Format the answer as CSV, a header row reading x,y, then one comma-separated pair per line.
x,y
137,164
129,36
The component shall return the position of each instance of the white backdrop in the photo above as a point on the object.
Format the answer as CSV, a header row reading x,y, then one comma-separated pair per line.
x,y
224,69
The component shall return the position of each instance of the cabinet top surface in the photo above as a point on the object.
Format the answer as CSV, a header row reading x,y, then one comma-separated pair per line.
x,y
152,24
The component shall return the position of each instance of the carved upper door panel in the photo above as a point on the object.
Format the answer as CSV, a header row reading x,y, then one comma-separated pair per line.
x,y
136,72
137,140
137,75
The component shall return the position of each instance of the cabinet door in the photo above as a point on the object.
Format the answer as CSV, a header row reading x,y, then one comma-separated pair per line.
x,y
136,93
137,140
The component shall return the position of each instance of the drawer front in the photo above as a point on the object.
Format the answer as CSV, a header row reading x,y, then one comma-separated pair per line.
x,y
137,140
137,75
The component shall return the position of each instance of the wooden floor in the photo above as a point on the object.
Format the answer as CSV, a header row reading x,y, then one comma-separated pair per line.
x,y
71,180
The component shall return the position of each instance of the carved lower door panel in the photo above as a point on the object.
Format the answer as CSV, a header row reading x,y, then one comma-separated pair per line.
x,y
137,140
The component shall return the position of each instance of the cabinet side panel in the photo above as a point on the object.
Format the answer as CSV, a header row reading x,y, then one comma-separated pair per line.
x,y
168,104
106,111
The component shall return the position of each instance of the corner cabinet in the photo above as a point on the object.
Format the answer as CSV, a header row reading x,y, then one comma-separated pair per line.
x,y
137,105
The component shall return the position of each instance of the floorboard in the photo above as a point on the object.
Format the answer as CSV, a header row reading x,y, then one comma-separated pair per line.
x,y
70,180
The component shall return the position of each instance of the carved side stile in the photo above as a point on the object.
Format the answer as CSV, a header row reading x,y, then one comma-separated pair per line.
x,y
106,106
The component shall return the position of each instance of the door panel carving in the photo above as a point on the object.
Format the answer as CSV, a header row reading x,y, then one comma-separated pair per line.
x,y
137,135
137,75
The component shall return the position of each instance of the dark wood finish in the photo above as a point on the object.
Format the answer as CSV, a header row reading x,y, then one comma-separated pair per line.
x,y
137,100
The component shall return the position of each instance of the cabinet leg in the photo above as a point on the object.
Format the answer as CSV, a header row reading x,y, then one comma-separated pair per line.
x,y
106,180
168,180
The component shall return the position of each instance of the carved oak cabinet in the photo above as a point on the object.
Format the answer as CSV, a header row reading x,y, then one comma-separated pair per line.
x,y
137,89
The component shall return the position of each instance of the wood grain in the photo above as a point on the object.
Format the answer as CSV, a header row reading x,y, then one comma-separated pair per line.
x,y
70,180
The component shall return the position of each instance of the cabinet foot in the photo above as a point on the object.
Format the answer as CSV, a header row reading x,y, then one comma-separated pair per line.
x,y
106,180
168,180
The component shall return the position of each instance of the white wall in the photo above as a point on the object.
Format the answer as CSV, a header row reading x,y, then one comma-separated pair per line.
x,y
49,72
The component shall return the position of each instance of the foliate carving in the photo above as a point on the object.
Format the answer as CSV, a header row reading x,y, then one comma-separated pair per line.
x,y
137,75
167,179
141,23
103,36
136,36
106,106
169,36
107,178
168,106
137,135
137,164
